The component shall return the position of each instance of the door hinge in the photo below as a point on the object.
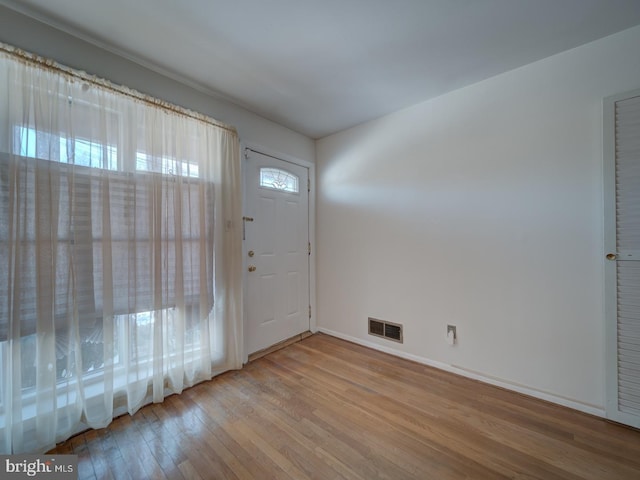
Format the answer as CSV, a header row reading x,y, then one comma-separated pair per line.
x,y
308,184
309,248
309,312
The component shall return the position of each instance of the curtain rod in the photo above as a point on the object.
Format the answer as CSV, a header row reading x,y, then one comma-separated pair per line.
x,y
33,59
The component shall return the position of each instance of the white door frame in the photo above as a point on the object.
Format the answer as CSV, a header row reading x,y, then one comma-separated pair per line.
x,y
312,234
610,267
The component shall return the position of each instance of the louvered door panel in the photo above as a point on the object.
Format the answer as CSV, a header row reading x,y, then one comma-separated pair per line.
x,y
627,263
629,336
628,177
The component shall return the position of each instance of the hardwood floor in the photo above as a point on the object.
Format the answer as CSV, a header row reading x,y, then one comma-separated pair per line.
x,y
328,409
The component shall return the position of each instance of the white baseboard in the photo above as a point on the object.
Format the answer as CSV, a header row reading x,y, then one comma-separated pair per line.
x,y
549,397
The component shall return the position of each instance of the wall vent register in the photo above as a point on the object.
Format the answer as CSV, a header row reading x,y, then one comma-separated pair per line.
x,y
384,329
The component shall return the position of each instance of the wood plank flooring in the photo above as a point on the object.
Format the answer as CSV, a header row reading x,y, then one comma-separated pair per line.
x,y
324,408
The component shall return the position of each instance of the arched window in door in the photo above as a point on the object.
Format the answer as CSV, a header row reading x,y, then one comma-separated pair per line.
x,y
279,180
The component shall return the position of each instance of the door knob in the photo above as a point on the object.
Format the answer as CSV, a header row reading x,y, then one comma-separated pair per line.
x,y
252,268
611,256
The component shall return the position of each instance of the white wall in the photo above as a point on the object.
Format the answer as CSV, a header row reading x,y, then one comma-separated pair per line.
x,y
481,208
31,35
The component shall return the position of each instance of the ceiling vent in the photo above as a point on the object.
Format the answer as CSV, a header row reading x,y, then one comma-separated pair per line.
x,y
384,329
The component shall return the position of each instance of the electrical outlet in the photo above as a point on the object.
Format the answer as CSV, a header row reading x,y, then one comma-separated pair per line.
x,y
452,334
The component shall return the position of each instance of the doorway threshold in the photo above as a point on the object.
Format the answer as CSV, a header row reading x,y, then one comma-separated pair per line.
x,y
279,345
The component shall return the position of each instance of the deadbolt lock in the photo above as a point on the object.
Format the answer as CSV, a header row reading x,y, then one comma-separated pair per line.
x,y
252,268
611,256
251,253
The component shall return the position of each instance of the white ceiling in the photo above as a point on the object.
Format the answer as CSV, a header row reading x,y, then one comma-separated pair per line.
x,y
319,66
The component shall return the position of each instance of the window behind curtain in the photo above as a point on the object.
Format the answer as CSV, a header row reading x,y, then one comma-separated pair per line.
x,y
118,235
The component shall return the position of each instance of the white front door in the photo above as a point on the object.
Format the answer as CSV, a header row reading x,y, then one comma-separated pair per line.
x,y
276,248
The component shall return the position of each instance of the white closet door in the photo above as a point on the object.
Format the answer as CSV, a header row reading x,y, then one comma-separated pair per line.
x,y
622,191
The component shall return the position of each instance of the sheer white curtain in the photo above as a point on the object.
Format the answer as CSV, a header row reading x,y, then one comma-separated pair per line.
x,y
120,263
